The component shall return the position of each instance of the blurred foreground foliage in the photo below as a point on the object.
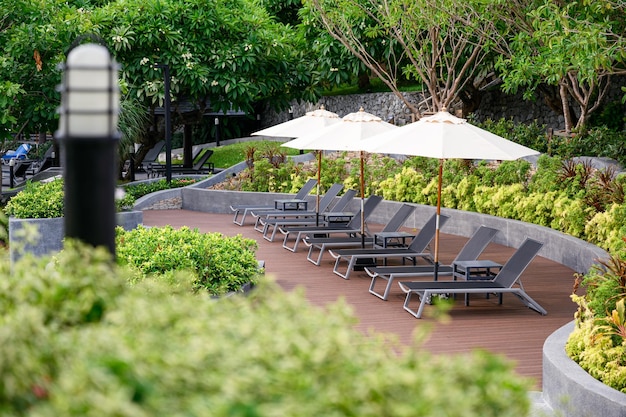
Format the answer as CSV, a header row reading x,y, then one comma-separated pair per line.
x,y
77,340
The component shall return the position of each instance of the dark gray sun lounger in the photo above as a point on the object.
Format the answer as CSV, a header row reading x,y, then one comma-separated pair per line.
x,y
245,209
504,282
325,202
416,249
351,228
321,244
275,224
470,251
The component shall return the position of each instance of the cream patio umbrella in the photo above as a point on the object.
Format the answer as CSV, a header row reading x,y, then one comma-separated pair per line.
x,y
348,135
444,136
312,121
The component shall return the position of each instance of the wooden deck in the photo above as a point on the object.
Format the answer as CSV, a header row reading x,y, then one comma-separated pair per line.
x,y
510,329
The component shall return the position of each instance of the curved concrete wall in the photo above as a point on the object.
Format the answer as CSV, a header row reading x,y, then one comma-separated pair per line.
x,y
559,247
569,389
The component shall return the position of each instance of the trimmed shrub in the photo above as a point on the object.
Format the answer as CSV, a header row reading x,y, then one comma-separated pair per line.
x,y
219,264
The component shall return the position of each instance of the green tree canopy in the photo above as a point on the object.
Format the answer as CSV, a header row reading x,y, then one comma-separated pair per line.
x,y
570,49
441,44
222,54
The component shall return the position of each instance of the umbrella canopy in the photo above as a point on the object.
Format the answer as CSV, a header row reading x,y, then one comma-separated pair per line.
x,y
311,121
445,136
348,135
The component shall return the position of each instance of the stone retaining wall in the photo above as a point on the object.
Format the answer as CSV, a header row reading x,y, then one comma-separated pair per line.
x,y
495,105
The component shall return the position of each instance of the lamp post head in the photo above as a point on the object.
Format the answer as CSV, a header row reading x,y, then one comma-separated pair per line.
x,y
89,94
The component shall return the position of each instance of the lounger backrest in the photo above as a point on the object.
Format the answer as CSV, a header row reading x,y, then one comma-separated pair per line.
x,y
23,149
306,189
368,207
203,159
518,262
399,218
329,197
344,201
421,241
476,244
154,152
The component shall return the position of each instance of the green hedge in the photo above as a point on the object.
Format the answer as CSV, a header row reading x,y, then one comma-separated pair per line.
x,y
76,340
219,264
40,200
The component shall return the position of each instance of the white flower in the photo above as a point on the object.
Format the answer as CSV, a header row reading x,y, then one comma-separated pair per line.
x,y
144,61
214,83
187,56
189,65
334,69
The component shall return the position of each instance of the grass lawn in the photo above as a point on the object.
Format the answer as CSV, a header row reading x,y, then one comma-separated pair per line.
x,y
229,155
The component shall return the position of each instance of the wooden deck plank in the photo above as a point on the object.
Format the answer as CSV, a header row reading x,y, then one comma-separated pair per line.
x,y
510,329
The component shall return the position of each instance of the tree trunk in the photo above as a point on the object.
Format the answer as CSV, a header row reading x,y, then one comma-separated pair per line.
x,y
566,113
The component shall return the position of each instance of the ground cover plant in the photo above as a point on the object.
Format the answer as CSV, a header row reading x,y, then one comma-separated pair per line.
x,y
77,340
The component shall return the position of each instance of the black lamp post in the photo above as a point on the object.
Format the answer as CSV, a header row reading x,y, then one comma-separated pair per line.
x,y
88,138
217,131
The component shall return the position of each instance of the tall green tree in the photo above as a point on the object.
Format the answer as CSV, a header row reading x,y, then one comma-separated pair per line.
x,y
34,35
568,50
442,44
222,54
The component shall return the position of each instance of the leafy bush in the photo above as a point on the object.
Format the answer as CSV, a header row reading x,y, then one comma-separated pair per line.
x,y
153,351
219,264
38,200
598,343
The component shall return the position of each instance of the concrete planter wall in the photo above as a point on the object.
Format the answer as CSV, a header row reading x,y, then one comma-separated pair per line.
x,y
569,389
559,247
51,233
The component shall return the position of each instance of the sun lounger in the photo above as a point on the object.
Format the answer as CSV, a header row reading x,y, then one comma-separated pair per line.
x,y
504,282
245,209
201,167
151,157
20,153
351,228
416,249
324,203
470,251
274,225
319,245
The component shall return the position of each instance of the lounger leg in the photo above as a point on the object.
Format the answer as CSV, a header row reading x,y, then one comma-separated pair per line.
x,y
293,248
238,222
417,314
309,256
530,303
385,294
351,263
258,224
266,229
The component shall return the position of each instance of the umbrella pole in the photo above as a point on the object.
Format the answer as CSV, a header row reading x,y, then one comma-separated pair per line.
x,y
319,178
362,201
439,181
